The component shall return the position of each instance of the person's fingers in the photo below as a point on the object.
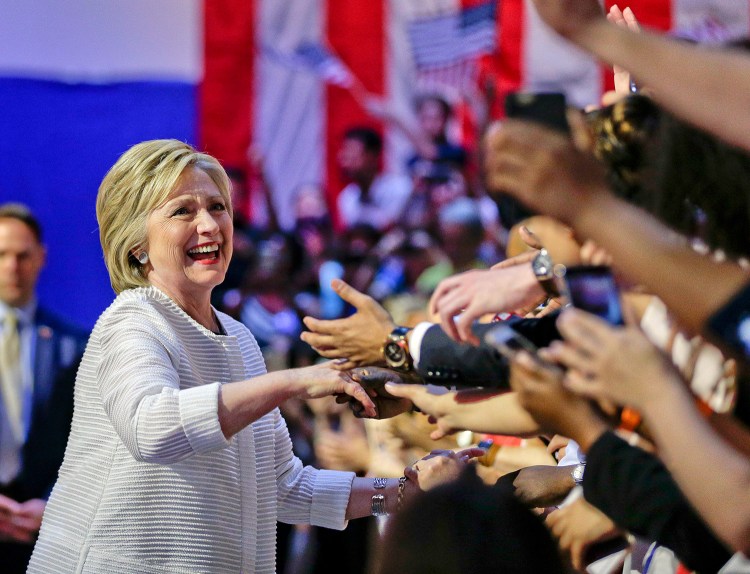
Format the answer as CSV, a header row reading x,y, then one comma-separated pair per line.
x,y
520,259
530,238
8,505
358,392
328,353
616,15
450,306
350,294
343,364
568,355
412,474
464,323
322,326
444,287
319,340
577,548
584,330
578,383
631,20
417,394
472,452
438,433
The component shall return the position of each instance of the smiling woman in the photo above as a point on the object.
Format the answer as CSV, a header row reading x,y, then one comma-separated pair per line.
x,y
176,427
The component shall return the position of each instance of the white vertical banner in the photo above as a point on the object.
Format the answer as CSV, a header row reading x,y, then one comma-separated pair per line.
x,y
289,114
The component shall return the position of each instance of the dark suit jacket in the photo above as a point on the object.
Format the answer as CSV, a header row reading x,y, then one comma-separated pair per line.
x,y
59,347
444,362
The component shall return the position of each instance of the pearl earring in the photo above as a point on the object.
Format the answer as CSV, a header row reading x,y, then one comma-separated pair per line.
x,y
143,258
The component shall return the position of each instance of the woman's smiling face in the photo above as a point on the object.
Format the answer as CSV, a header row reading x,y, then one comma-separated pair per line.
x,y
189,239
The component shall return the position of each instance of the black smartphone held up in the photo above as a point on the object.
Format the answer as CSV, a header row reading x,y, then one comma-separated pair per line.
x,y
547,109
593,289
508,342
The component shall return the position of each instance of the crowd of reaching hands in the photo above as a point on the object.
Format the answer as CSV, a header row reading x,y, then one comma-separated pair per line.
x,y
655,410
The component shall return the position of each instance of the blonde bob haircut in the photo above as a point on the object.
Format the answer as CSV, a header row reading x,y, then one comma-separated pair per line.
x,y
138,183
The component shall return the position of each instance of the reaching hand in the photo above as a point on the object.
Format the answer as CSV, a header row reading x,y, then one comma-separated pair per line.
x,y
554,407
618,364
577,526
625,19
444,408
373,379
356,340
325,380
441,466
475,293
543,168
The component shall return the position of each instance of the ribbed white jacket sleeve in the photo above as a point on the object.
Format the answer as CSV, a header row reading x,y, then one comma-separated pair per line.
x,y
140,390
307,495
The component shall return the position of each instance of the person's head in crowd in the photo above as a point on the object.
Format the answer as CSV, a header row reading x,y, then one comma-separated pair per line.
x,y
359,154
694,182
445,185
144,205
239,193
621,133
461,232
433,113
275,260
22,254
466,527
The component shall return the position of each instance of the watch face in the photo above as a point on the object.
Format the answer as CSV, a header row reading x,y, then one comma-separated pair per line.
x,y
395,355
542,265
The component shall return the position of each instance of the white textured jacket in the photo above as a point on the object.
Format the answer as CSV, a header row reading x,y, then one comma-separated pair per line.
x,y
149,484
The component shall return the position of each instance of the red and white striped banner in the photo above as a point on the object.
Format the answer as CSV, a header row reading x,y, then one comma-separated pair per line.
x,y
297,118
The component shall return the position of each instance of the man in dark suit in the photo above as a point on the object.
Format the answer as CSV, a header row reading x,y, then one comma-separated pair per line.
x,y
39,354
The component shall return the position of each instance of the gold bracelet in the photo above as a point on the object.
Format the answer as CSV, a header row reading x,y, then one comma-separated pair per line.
x,y
401,489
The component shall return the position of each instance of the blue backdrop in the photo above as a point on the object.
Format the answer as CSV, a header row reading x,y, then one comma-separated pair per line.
x,y
57,141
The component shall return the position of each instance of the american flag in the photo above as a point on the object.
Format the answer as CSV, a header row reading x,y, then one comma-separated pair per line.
x,y
316,58
445,47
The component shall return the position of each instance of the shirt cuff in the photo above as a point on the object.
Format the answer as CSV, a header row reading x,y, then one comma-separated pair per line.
x,y
330,498
415,340
199,414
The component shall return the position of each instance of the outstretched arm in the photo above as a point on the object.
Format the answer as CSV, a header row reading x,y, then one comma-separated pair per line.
x,y
547,172
707,87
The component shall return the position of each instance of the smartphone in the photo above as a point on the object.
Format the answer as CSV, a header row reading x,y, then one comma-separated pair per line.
x,y
547,109
592,288
508,342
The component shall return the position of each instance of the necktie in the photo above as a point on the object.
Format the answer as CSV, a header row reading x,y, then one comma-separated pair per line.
x,y
11,429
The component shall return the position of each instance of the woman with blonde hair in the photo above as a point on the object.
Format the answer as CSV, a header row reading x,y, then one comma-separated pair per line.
x,y
178,458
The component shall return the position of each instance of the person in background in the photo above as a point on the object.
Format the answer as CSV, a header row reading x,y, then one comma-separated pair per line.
x,y
38,356
371,197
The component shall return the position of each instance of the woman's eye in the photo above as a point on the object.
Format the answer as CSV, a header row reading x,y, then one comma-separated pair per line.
x,y
180,211
218,206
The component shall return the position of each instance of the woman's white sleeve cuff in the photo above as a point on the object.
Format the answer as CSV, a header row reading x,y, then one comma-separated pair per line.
x,y
330,498
199,414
